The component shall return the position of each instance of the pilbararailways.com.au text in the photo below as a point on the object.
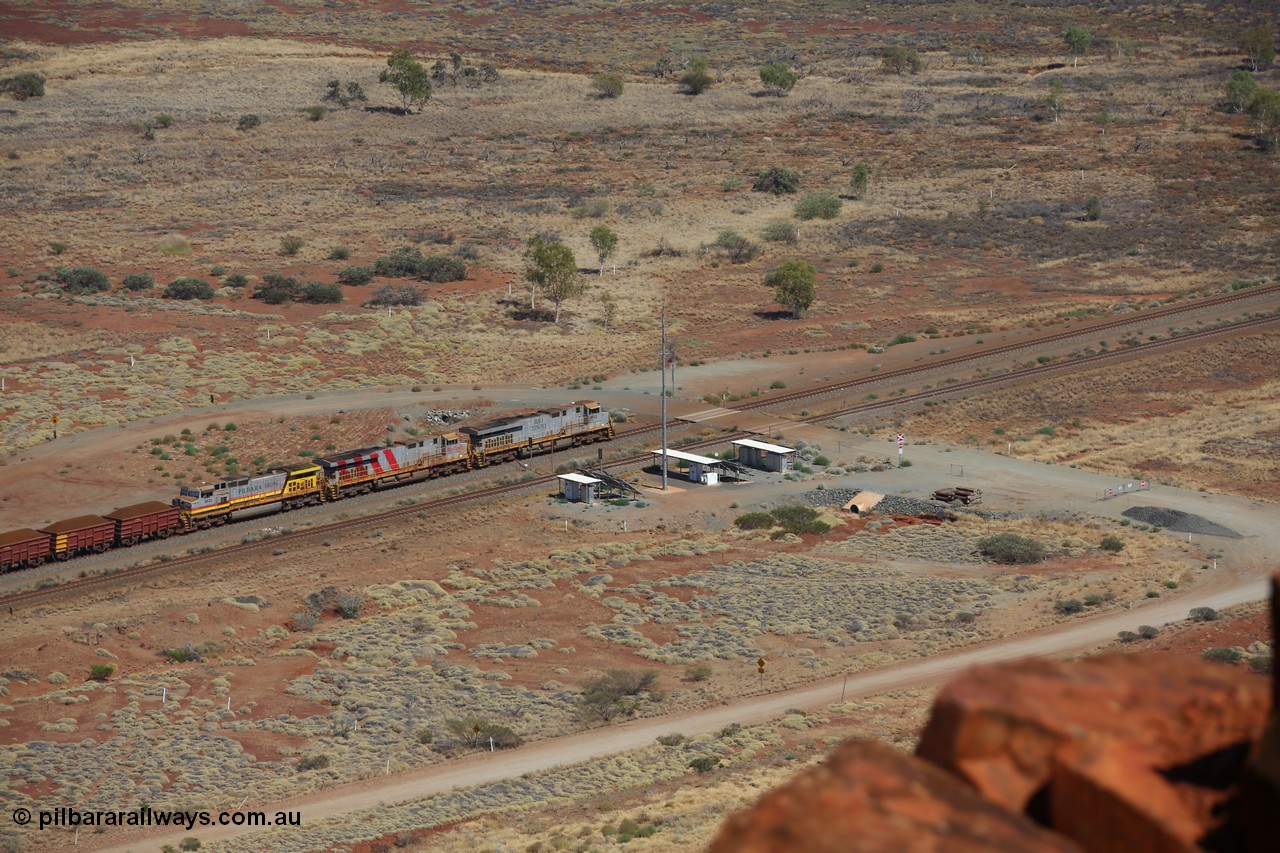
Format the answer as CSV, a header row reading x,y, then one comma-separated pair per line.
x,y
64,816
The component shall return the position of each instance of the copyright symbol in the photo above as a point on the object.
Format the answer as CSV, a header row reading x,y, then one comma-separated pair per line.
x,y
22,816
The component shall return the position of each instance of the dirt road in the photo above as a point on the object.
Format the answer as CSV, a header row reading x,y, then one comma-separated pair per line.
x,y
1217,592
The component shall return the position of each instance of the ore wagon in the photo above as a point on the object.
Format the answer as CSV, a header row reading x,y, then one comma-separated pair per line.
x,y
23,548
140,522
80,535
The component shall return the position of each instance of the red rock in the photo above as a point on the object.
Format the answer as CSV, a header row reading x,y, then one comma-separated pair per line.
x,y
870,797
1260,790
1154,743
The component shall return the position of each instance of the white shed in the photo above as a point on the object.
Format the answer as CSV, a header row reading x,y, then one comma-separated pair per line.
x,y
702,469
761,454
578,487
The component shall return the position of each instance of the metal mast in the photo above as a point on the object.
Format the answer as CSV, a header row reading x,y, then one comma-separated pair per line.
x,y
662,368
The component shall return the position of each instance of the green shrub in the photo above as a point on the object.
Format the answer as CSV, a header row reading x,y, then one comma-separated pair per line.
x,y
781,231
701,672
818,206
902,338
321,293
1011,548
607,85
183,654
187,287
339,253
671,739
408,262
276,289
1128,636
1202,614
189,844
799,519
1148,632
291,244
313,762
81,280
163,120
101,671
778,180
1262,664
248,121
315,113
821,460
1221,655
355,276
1112,544
1068,607
754,521
704,763
442,268
236,280
138,281
23,86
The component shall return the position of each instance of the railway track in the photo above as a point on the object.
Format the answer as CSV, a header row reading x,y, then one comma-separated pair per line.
x,y
1140,319
82,585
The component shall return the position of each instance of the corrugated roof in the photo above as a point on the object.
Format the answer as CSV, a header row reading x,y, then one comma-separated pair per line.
x,y
761,445
578,478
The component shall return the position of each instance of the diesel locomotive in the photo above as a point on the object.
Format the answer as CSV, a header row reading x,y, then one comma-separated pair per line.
x,y
326,478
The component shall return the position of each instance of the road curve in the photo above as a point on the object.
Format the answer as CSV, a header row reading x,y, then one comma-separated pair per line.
x,y
483,768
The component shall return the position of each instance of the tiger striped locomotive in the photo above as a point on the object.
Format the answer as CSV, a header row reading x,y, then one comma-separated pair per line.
x,y
326,478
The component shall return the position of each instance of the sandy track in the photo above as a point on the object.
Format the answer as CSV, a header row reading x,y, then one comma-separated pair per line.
x,y
1218,592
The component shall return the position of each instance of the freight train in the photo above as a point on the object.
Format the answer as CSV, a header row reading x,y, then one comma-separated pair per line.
x,y
327,478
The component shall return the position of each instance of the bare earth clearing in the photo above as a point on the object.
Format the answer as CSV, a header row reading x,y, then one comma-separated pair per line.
x,y
244,679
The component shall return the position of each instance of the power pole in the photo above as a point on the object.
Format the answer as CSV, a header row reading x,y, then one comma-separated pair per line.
x,y
662,368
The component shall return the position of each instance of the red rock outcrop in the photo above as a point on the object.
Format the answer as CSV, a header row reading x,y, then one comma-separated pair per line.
x,y
1106,750
1142,753
870,797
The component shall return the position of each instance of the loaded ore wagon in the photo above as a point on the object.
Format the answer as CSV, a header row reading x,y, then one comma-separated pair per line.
x,y
140,522
279,488
542,431
375,467
80,535
23,548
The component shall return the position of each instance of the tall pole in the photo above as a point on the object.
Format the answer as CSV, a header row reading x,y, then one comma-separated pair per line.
x,y
662,368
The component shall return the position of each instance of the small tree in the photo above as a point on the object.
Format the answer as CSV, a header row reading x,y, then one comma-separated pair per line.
x,y
607,85
860,180
291,244
793,284
1054,100
551,268
1077,40
1093,208
1240,88
407,76
697,79
897,59
605,241
608,309
778,79
1264,107
1260,47
23,86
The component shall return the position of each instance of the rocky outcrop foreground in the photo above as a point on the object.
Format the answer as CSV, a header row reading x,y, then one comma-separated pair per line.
x,y
1132,753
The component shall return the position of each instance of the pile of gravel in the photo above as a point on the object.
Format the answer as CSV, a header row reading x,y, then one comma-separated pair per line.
x,y
890,505
1183,522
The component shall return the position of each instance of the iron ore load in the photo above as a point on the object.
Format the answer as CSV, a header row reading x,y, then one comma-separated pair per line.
x,y
327,478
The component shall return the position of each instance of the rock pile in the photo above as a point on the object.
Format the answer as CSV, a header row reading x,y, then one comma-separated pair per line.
x,y
1141,752
1183,522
